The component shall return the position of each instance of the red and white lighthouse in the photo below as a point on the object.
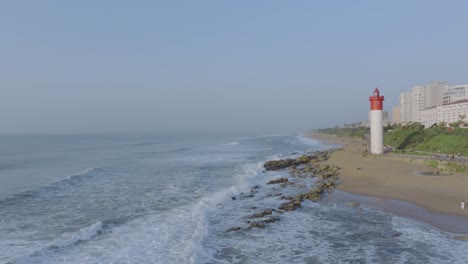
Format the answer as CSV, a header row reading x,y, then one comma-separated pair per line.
x,y
376,122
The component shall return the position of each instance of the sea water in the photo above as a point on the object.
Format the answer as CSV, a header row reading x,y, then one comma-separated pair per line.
x,y
170,198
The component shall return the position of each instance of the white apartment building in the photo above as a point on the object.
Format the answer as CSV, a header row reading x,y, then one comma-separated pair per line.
x,y
426,96
455,93
449,113
396,114
433,103
405,107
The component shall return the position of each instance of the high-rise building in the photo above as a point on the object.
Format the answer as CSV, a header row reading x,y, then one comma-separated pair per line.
x,y
396,114
426,96
455,93
449,113
434,93
419,98
405,107
433,103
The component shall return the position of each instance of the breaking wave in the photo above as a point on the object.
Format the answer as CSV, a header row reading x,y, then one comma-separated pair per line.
x,y
66,240
57,186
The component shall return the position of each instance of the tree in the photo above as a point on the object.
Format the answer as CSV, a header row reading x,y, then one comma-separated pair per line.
x,y
461,118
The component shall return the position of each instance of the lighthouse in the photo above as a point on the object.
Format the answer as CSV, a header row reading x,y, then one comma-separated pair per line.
x,y
376,122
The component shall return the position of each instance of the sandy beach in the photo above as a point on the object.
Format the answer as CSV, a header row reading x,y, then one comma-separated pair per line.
x,y
389,177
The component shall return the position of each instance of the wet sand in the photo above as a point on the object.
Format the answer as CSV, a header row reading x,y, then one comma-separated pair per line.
x,y
388,177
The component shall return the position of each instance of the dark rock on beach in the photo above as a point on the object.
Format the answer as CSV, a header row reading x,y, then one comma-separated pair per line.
x,y
257,224
262,214
352,204
279,180
233,229
273,165
271,220
304,167
461,238
290,206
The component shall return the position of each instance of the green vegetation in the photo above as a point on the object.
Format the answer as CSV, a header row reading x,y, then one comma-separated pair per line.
x,y
437,139
414,139
354,132
445,166
432,163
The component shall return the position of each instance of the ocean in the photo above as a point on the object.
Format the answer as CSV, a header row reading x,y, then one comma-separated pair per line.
x,y
170,198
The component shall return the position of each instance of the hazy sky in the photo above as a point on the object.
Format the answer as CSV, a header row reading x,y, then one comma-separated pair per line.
x,y
149,66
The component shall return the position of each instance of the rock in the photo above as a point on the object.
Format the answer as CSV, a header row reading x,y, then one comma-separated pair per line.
x,y
233,229
309,159
274,165
287,206
257,215
270,220
324,167
256,187
279,180
352,204
461,238
313,194
233,198
257,224
397,234
262,214
268,211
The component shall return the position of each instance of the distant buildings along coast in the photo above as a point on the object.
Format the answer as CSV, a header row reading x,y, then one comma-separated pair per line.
x,y
433,103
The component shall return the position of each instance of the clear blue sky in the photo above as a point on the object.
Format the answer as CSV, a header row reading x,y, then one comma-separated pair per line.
x,y
148,66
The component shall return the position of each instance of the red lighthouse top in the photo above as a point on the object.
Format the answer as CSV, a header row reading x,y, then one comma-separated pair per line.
x,y
376,101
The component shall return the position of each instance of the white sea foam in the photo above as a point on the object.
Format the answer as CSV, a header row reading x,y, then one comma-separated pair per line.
x,y
316,144
66,240
82,234
174,236
231,143
63,182
187,208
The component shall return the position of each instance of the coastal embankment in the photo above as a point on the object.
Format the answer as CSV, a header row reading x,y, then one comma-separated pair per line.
x,y
392,177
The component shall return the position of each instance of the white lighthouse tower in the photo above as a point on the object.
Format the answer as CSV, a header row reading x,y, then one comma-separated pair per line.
x,y
376,122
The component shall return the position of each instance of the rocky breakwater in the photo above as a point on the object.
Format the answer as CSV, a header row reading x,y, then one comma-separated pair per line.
x,y
325,178
308,166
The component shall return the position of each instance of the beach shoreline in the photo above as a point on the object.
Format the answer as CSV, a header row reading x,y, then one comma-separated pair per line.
x,y
402,181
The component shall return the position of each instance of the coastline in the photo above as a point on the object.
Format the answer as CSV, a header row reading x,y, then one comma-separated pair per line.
x,y
396,179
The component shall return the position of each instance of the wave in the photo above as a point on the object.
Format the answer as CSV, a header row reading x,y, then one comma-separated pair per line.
x,y
83,234
194,250
179,149
65,240
54,187
231,143
173,236
141,144
302,138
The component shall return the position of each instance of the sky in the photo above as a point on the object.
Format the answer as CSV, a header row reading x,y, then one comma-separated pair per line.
x,y
217,66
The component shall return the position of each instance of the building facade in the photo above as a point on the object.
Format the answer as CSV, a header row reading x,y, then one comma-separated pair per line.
x,y
433,103
455,93
405,107
396,114
426,96
449,113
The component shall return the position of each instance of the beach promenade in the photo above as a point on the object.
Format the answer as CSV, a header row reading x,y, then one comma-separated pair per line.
x,y
393,177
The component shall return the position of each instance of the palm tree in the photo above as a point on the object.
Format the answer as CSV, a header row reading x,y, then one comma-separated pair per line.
x,y
461,118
